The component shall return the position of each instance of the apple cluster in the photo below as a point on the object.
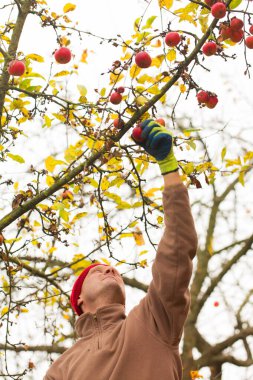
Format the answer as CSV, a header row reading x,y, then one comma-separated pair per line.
x,y
207,98
233,30
17,67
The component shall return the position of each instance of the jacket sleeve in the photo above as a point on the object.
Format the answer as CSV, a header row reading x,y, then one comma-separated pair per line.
x,y
166,305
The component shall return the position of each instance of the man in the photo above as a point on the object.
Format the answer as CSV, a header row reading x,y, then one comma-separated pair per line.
x,y
145,344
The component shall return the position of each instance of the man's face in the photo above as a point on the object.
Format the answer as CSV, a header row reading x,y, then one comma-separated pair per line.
x,y
103,285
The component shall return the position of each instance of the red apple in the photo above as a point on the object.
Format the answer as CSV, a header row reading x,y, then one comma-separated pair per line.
x,y
216,304
137,131
1,239
172,39
251,29
249,42
161,121
62,55
120,90
115,98
203,97
209,48
236,35
212,101
118,123
16,68
218,10
67,194
236,23
143,59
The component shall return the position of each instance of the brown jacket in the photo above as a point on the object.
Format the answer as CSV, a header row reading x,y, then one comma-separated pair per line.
x,y
144,344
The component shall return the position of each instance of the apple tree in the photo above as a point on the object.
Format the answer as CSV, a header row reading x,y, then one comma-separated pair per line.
x,y
76,188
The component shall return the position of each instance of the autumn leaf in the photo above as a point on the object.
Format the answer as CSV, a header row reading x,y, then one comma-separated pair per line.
x,y
51,162
165,3
171,55
69,7
134,71
138,237
82,90
16,157
35,57
61,73
84,56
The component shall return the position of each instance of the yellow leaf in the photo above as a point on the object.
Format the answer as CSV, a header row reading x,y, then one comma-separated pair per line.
x,y
36,224
82,90
134,71
157,44
51,162
24,310
78,216
223,153
160,219
35,57
171,55
59,117
4,310
138,237
69,7
165,3
157,61
151,192
196,375
188,168
49,180
84,56
15,186
1,148
115,78
241,178
64,215
48,121
182,88
141,100
16,157
61,73
106,261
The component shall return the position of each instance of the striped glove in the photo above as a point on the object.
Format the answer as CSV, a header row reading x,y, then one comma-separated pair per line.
x,y
158,142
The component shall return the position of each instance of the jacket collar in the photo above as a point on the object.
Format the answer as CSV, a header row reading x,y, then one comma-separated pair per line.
x,y
104,317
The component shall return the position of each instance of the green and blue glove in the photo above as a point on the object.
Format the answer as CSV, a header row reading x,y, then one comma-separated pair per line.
x,y
158,142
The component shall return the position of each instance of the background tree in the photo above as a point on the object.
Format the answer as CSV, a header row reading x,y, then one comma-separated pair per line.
x,y
93,194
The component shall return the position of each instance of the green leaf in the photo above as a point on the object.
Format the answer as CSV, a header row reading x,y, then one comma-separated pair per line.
x,y
234,4
64,215
136,24
241,178
223,153
16,157
149,22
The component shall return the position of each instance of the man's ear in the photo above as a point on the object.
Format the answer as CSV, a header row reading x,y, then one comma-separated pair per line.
x,y
79,301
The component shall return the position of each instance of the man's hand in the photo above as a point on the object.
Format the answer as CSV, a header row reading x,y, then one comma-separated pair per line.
x,y
158,142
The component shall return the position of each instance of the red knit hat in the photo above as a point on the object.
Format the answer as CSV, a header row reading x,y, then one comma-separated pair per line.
x,y
77,287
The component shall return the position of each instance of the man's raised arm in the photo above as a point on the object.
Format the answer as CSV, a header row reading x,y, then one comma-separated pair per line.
x,y
168,300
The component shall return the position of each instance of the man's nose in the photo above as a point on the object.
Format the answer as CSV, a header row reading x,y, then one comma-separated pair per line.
x,y
110,270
